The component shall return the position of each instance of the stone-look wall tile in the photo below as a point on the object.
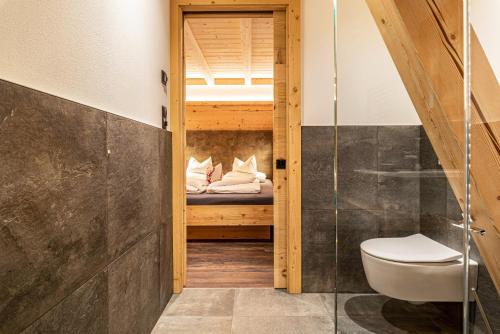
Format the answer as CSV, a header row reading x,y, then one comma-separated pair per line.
x,y
133,183
224,146
133,288
52,201
399,193
318,150
166,247
373,200
357,164
317,168
84,311
357,147
398,148
354,227
318,250
358,190
433,195
318,215
317,193
453,210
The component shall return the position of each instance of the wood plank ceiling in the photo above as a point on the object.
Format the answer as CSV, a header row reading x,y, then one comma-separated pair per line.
x,y
229,50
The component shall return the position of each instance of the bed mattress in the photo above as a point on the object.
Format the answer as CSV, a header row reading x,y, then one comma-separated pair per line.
x,y
265,197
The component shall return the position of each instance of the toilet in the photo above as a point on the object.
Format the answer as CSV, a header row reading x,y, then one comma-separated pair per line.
x,y
415,268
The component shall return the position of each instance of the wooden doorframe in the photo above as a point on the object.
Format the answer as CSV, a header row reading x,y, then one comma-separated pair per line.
x,y
179,8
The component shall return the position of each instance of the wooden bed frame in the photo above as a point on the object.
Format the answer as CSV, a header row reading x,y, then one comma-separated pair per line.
x,y
229,215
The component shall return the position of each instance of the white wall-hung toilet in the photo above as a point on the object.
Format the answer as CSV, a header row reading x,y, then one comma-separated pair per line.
x,y
415,268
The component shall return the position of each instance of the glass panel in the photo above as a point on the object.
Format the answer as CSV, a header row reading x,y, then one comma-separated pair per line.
x,y
401,176
485,166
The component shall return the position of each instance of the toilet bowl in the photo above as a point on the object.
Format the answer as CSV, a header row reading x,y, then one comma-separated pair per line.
x,y
415,268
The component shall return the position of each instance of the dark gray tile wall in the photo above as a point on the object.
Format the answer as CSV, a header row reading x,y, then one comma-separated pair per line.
x,y
133,183
390,184
318,215
75,221
377,197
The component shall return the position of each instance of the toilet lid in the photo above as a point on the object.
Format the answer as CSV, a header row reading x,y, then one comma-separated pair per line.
x,y
414,248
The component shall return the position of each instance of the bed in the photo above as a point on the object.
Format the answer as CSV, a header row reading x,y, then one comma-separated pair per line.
x,y
230,210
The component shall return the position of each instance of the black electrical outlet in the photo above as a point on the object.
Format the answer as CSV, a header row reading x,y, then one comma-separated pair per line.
x,y
164,78
280,164
164,118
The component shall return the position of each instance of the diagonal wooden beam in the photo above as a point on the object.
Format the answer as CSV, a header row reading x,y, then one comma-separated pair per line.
x,y
246,48
198,54
425,40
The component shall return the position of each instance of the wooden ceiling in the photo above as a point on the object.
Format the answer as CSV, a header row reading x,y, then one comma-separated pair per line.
x,y
229,50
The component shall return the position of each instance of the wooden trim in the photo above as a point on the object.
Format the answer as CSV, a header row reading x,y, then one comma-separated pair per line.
x,y
228,233
280,189
229,215
230,81
226,116
196,82
228,15
178,145
294,122
177,10
262,81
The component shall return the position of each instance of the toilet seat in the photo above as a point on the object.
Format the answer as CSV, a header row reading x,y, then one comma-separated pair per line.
x,y
415,268
416,248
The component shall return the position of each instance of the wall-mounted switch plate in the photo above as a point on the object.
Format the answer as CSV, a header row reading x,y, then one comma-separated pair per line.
x,y
164,117
280,164
164,78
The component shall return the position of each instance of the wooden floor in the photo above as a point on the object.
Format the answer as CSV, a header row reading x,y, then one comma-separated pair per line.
x,y
230,264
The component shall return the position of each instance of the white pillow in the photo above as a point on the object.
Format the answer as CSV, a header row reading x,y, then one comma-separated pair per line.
x,y
249,166
194,166
261,177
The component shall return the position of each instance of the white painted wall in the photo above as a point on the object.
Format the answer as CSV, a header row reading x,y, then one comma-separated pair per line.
x,y
485,19
370,91
105,54
317,62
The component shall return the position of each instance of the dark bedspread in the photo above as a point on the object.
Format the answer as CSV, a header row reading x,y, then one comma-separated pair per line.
x,y
265,197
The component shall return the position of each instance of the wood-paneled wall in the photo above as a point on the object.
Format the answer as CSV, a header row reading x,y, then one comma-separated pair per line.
x,y
226,116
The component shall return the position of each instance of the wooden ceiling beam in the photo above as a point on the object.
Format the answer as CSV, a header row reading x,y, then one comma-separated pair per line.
x,y
246,48
197,54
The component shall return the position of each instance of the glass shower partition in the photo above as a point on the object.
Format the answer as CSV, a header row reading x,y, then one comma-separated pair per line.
x,y
402,157
484,240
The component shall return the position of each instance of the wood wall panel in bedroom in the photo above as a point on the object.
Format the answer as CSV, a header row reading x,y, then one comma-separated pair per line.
x,y
228,232
224,146
229,116
229,215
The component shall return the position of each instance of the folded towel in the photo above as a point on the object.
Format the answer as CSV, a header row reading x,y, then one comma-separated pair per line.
x,y
195,190
243,188
233,178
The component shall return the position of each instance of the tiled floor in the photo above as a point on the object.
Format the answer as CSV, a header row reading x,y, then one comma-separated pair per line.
x,y
224,311
255,311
